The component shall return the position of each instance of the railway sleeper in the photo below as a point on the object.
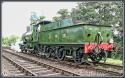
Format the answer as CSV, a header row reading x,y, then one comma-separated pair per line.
x,y
20,74
37,67
13,69
51,74
16,71
32,67
33,70
44,72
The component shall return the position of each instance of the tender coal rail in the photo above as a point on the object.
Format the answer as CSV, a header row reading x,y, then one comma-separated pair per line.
x,y
89,68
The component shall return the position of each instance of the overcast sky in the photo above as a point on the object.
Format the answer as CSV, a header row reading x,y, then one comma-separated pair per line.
x,y
16,15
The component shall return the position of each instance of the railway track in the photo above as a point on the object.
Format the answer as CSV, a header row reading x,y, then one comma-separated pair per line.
x,y
112,67
33,68
107,71
106,68
12,70
101,67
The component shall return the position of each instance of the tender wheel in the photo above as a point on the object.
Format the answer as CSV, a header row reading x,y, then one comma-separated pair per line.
x,y
78,56
103,55
47,52
98,56
60,54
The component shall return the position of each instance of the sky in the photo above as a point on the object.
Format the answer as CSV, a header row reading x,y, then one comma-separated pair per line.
x,y
16,15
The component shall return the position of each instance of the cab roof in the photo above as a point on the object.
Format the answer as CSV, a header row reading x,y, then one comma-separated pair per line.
x,y
43,22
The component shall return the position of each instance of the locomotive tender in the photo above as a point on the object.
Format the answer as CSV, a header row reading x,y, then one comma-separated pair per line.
x,y
63,38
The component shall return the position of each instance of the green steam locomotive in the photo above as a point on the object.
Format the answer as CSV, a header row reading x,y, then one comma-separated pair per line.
x,y
69,38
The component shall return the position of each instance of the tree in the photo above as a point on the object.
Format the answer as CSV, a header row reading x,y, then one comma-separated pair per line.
x,y
41,18
35,18
56,18
63,14
105,13
8,41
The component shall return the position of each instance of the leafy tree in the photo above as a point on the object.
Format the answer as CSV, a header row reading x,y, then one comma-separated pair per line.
x,y
56,18
63,14
41,18
35,18
8,41
105,13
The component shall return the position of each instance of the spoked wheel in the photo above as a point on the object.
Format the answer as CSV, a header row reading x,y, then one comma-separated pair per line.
x,y
47,52
33,51
39,51
22,49
25,50
98,55
60,54
78,56
103,56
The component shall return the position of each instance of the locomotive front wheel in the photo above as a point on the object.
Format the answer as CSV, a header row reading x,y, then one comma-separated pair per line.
x,y
48,52
22,50
60,54
25,50
78,56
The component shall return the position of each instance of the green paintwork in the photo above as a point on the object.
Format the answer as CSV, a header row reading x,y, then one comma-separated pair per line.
x,y
53,25
35,34
71,34
89,29
64,32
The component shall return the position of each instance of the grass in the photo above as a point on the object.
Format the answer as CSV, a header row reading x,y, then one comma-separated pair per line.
x,y
114,61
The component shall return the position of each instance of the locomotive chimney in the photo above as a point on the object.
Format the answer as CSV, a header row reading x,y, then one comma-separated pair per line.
x,y
28,28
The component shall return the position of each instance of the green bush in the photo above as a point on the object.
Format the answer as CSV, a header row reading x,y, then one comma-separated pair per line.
x,y
8,41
